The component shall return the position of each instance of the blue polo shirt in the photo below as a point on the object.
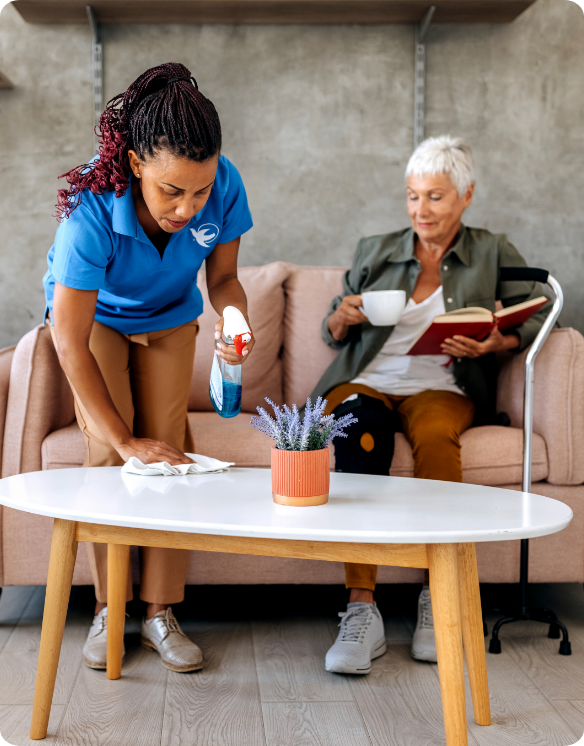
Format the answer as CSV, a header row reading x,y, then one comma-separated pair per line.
x,y
102,246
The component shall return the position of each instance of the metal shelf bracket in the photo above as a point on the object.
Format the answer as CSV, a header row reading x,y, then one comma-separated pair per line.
x,y
420,76
97,59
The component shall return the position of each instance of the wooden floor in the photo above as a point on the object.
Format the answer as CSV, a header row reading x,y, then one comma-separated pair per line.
x,y
264,682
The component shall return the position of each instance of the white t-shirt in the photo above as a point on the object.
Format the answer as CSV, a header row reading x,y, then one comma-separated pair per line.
x,y
394,372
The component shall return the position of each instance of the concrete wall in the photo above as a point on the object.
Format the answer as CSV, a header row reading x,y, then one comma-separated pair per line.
x,y
319,121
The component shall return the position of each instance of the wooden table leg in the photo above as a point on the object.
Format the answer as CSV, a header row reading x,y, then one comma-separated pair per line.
x,y
444,591
118,563
472,632
61,566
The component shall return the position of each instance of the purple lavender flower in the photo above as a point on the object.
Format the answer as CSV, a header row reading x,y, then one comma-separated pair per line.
x,y
314,432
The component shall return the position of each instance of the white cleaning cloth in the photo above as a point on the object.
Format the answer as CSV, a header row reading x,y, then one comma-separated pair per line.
x,y
201,465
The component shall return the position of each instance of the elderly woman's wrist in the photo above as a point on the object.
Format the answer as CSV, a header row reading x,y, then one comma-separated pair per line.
x,y
512,341
338,330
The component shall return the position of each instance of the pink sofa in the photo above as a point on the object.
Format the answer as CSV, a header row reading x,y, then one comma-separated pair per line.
x,y
287,304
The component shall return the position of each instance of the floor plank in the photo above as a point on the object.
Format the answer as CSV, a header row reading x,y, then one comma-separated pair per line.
x,y
218,706
557,676
573,713
125,712
15,724
290,661
19,656
286,698
314,724
521,714
13,602
400,700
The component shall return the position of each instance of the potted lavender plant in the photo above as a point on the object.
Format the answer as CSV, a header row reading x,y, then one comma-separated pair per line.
x,y
300,458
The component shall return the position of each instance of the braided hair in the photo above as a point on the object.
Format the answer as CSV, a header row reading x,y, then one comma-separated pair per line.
x,y
161,109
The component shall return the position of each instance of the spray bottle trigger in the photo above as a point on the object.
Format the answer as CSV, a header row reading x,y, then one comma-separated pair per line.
x,y
240,340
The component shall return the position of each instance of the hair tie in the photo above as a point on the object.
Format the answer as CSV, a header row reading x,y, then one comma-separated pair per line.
x,y
175,80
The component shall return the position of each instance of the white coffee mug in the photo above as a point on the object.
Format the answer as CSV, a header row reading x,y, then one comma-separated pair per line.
x,y
384,307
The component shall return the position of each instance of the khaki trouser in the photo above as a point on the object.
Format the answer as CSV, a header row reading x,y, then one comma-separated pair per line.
x,y
148,377
433,422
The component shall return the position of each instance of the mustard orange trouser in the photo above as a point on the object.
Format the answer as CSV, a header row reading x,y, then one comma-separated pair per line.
x,y
148,377
433,422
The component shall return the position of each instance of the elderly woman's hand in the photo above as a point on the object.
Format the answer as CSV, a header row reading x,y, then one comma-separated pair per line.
x,y
467,347
347,314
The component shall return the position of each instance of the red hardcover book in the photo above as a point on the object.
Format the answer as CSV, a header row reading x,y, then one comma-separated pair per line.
x,y
476,323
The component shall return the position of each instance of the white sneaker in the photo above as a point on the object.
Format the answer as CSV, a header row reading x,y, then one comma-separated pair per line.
x,y
424,642
361,639
177,651
95,648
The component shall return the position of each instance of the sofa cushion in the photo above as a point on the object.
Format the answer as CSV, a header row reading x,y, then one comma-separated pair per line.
x,y
490,455
64,449
230,440
309,291
262,374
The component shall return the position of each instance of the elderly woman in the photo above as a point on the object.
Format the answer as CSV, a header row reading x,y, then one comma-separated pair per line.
x,y
442,265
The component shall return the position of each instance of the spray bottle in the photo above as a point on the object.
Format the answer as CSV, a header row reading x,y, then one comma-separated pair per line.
x,y
225,383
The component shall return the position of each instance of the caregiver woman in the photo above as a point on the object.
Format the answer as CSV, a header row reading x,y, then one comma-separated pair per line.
x,y
136,225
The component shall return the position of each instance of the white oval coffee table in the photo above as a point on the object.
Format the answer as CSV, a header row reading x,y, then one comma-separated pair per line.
x,y
369,519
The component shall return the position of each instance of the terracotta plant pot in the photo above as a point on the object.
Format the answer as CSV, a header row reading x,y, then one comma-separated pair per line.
x,y
300,478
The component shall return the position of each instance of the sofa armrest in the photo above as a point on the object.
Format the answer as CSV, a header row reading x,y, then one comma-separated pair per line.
x,y
39,402
558,411
6,356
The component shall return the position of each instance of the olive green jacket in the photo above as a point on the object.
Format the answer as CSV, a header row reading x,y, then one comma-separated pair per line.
x,y
470,277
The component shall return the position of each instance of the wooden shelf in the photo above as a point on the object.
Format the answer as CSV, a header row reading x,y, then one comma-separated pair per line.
x,y
270,11
4,82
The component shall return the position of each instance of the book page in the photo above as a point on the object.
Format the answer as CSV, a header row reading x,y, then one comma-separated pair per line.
x,y
474,313
520,306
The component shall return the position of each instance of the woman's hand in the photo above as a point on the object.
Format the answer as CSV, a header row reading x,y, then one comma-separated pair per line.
x,y
227,352
347,314
467,347
151,452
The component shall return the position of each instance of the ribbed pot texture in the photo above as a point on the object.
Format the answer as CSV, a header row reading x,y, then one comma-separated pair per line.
x,y
300,478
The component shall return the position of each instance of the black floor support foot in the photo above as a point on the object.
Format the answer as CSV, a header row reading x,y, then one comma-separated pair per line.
x,y
554,632
545,616
495,647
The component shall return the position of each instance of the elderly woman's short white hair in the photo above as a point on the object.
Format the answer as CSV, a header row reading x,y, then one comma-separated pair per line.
x,y
447,155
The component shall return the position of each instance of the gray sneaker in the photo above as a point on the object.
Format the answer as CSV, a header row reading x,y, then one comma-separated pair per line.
x,y
424,642
177,652
95,648
361,639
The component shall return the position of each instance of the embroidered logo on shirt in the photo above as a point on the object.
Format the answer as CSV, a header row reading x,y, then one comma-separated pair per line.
x,y
205,234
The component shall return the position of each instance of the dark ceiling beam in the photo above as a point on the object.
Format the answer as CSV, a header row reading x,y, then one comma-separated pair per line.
x,y
271,11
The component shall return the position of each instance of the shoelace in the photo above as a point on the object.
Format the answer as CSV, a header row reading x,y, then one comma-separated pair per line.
x,y
354,623
170,624
102,625
426,618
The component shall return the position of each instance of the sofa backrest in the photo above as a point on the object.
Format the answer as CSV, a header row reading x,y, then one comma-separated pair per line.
x,y
262,375
558,396
286,305
309,292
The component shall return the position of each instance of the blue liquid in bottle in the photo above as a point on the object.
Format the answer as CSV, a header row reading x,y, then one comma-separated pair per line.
x,y
225,387
231,399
